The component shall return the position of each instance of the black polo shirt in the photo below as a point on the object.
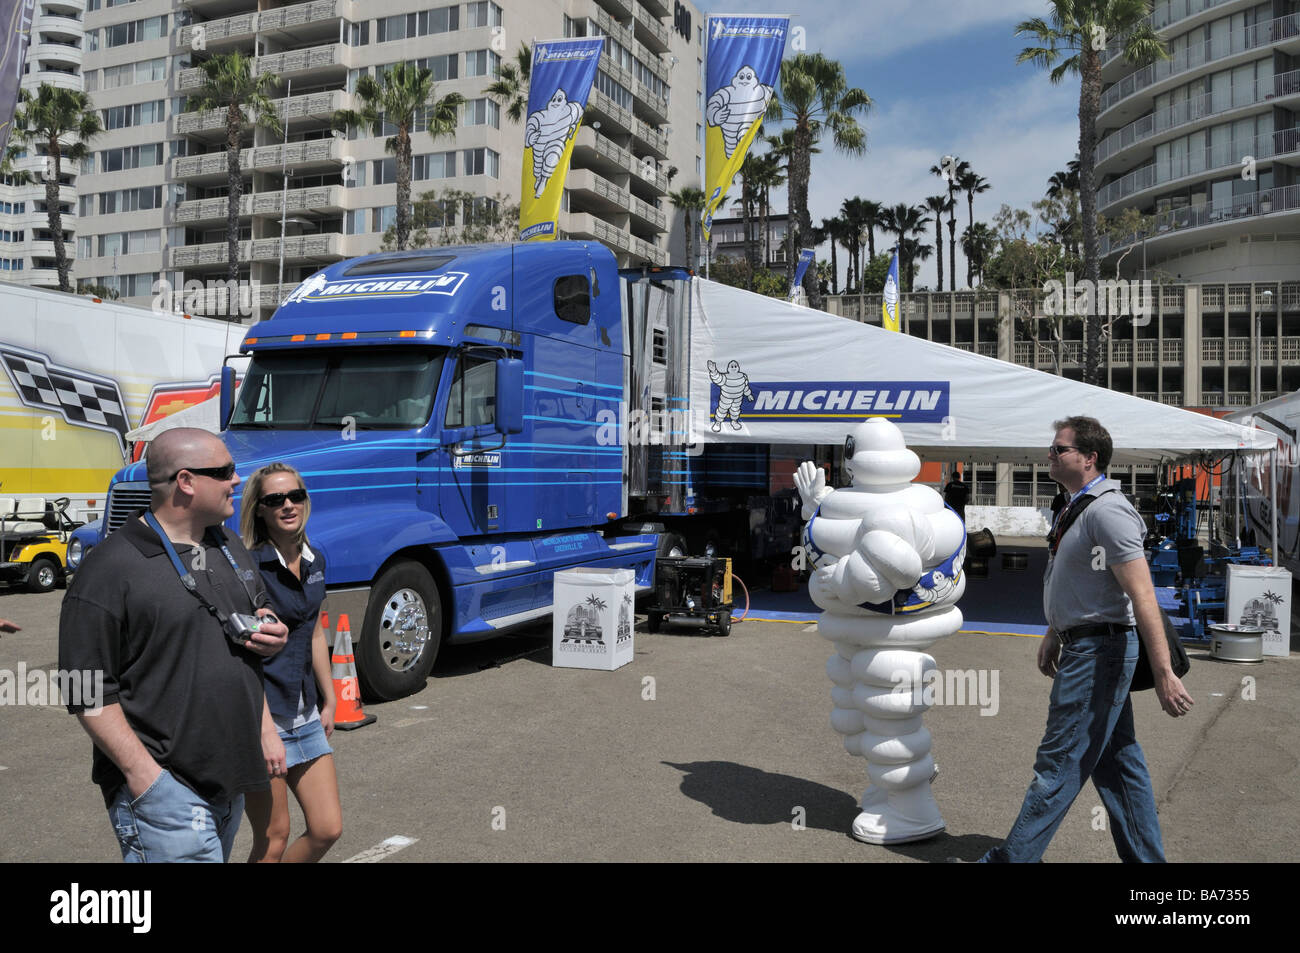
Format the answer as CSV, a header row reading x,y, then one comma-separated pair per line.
x,y
193,697
297,601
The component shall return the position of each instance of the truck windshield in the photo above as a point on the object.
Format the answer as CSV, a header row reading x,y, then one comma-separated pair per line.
x,y
372,388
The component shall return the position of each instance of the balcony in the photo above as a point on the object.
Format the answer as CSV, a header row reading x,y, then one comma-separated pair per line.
x,y
1274,201
613,198
58,22
1121,352
318,106
1147,351
1171,352
611,27
324,199
301,157
297,248
651,102
1181,12
59,79
649,30
73,7
596,148
582,224
218,33
316,62
1192,58
56,54
1174,398
1198,108
301,15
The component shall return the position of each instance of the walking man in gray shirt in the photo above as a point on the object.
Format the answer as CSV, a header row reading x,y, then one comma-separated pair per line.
x,y
1098,597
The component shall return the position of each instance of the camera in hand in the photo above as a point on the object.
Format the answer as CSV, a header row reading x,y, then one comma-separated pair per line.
x,y
241,627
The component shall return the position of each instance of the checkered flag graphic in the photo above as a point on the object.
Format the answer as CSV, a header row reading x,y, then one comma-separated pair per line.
x,y
81,398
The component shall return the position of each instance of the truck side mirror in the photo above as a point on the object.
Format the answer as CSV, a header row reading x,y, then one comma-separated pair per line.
x,y
510,395
227,406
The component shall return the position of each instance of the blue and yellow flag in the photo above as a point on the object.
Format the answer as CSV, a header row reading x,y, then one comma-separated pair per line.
x,y
889,307
558,86
744,64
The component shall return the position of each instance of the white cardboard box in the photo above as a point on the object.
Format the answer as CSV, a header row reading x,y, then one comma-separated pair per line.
x,y
1261,596
593,618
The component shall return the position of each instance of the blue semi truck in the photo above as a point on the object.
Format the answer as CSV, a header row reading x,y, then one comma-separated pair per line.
x,y
469,420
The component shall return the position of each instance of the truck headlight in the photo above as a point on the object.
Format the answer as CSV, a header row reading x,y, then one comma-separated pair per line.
x,y
74,554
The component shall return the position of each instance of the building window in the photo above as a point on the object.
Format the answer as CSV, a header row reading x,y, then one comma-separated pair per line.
x,y
483,112
482,162
482,13
135,31
357,34
406,25
131,157
482,63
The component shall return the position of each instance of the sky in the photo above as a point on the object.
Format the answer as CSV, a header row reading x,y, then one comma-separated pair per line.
x,y
944,81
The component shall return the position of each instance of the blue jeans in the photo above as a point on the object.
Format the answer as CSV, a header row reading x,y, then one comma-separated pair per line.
x,y
169,823
1089,734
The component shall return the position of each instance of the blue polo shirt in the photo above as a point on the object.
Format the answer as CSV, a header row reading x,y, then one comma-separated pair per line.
x,y
297,601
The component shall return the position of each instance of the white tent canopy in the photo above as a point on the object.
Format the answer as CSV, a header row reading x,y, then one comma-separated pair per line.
x,y
205,415
812,375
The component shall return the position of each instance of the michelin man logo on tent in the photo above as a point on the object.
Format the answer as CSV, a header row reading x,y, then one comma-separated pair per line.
x,y
546,133
736,107
733,388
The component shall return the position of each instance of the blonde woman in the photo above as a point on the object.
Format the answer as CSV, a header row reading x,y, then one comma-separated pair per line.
x,y
299,690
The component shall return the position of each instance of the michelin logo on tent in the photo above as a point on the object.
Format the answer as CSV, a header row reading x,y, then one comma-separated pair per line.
x,y
319,288
918,402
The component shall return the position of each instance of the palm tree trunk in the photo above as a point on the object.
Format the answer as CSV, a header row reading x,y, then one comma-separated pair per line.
x,y
751,248
55,217
952,243
235,187
938,245
800,161
970,206
1089,104
686,224
835,270
403,218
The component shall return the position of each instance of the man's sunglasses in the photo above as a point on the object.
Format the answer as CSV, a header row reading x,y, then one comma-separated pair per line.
x,y
1056,449
216,473
274,500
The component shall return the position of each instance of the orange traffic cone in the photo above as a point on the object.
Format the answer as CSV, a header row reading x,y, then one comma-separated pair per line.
x,y
348,713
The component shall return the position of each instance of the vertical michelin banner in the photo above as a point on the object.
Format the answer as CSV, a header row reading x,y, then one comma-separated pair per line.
x,y
17,17
559,83
742,67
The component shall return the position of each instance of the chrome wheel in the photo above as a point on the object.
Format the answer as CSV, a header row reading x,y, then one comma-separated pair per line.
x,y
403,630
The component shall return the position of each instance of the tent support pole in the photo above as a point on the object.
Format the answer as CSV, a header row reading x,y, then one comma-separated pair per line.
x,y
1272,509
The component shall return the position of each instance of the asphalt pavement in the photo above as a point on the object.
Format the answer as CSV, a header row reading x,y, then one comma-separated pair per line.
x,y
701,749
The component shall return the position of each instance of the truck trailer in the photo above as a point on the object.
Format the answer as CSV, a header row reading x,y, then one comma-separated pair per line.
x,y
470,420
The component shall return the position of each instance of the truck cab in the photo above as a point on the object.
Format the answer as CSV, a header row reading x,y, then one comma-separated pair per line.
x,y
444,408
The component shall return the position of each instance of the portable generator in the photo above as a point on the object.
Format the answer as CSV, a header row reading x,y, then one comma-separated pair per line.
x,y
692,591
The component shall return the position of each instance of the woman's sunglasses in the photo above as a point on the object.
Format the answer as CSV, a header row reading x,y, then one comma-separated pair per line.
x,y
274,500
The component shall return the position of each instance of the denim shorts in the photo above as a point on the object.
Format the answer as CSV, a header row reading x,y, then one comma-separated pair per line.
x,y
304,743
169,823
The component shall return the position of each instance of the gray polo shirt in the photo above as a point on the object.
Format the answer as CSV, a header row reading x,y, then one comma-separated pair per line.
x,y
1079,587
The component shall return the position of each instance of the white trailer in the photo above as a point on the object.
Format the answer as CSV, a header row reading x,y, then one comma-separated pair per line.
x,y
1265,496
79,374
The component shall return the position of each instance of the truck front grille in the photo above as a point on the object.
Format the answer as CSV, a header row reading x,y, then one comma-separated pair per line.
x,y
122,499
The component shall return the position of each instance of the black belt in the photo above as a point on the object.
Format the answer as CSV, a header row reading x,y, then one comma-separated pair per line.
x,y
1093,628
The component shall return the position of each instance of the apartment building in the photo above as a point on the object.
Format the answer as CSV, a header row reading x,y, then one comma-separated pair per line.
x,y
1208,143
152,200
1213,346
54,56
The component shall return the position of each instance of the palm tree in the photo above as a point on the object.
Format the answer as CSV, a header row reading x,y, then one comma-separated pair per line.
x,y
973,184
511,87
1080,28
938,204
767,174
814,96
854,215
913,251
746,200
406,96
833,229
951,170
906,221
689,199
978,244
46,119
229,85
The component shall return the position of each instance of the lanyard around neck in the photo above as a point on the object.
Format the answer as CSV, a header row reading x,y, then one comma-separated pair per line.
x,y
187,579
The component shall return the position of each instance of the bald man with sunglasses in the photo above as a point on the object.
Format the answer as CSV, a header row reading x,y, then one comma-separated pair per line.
x,y
172,610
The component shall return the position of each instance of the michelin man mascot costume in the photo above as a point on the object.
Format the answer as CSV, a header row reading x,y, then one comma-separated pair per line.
x,y
887,558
